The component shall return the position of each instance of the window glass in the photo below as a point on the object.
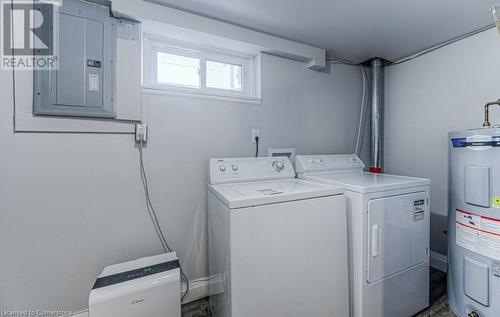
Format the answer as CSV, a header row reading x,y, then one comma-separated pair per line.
x,y
224,76
178,70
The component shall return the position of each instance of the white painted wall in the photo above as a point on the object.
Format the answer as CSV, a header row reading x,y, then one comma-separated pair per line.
x,y
430,96
72,203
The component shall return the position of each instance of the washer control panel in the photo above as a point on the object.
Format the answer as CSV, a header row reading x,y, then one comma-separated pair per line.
x,y
328,163
232,170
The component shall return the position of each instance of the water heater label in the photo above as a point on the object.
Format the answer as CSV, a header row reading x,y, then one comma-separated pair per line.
x,y
478,234
495,201
480,141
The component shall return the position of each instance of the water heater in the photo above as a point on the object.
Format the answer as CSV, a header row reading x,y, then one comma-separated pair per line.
x,y
474,223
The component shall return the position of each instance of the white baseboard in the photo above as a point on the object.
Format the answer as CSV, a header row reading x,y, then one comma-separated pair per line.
x,y
199,288
439,261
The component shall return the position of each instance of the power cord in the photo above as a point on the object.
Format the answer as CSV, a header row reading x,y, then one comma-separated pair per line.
x,y
154,217
210,311
257,146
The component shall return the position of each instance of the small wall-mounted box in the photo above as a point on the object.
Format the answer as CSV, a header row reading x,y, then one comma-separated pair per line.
x,y
288,152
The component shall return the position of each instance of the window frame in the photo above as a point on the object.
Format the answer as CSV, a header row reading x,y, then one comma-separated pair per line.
x,y
154,44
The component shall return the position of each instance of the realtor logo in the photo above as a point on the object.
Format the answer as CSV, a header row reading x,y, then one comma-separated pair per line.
x,y
29,34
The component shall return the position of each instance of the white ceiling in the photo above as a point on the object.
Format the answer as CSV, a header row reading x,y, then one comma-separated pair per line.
x,y
352,29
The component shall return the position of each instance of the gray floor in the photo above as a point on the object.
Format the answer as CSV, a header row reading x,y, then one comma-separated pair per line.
x,y
439,309
437,299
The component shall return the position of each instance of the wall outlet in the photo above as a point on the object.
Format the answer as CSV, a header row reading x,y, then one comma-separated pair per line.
x,y
255,133
141,132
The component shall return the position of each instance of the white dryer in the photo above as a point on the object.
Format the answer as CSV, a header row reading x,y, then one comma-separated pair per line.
x,y
388,233
277,244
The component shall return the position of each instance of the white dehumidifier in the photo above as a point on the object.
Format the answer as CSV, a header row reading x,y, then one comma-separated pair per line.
x,y
146,287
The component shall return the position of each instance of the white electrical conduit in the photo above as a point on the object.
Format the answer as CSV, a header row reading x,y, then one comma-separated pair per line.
x,y
361,124
441,45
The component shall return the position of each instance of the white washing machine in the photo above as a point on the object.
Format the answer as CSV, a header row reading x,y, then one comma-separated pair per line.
x,y
277,244
388,234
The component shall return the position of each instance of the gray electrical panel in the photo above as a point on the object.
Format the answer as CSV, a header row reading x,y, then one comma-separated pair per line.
x,y
83,84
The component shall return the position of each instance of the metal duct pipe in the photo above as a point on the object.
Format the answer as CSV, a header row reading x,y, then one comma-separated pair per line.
x,y
377,115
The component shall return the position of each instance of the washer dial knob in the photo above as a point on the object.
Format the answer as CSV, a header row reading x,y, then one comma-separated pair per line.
x,y
234,167
278,166
222,168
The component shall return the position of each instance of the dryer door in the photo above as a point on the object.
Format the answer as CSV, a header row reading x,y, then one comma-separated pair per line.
x,y
398,234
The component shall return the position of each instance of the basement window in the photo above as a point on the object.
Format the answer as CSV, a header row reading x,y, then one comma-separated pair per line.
x,y
178,67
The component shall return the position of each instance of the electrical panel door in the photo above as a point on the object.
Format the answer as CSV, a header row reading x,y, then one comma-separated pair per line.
x,y
83,82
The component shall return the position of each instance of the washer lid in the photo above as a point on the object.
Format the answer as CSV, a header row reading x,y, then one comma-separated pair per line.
x,y
364,182
239,195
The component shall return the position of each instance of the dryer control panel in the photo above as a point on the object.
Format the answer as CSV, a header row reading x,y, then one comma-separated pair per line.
x,y
233,170
328,163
